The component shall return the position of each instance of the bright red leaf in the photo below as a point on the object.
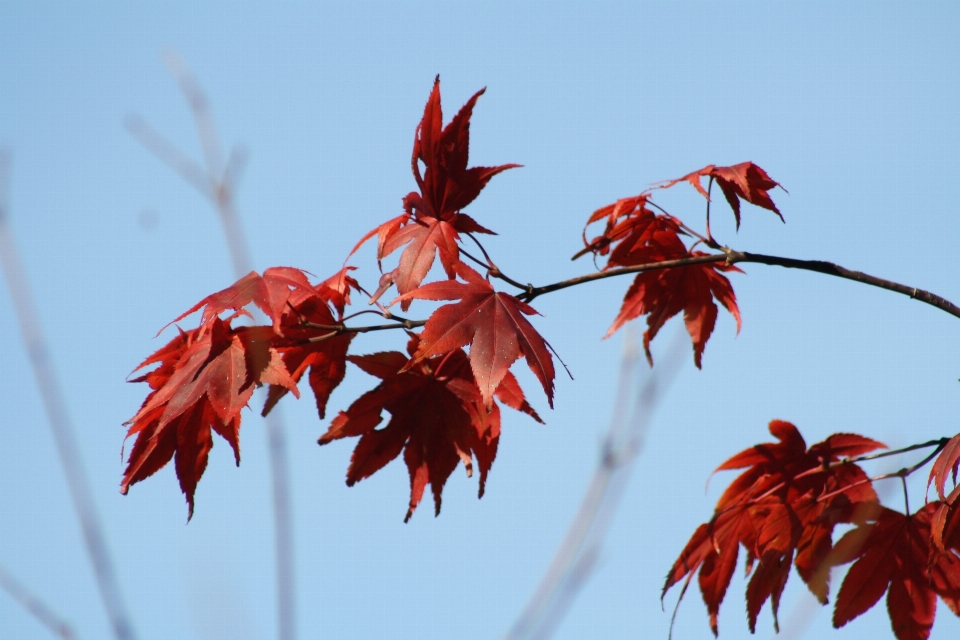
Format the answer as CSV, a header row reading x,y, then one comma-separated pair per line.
x,y
895,557
492,323
782,510
745,180
433,220
269,292
945,466
204,379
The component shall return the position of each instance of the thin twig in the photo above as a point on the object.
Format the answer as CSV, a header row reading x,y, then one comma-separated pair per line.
x,y
580,548
711,242
35,606
216,182
59,420
731,257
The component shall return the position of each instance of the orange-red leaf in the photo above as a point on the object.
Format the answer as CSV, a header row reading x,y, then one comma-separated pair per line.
x,y
492,323
204,379
433,220
269,292
946,464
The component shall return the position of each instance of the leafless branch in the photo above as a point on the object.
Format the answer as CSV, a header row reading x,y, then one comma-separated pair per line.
x,y
216,182
35,606
63,435
622,445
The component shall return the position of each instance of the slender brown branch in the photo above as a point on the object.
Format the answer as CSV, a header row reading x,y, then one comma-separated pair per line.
x,y
832,269
535,292
340,329
733,257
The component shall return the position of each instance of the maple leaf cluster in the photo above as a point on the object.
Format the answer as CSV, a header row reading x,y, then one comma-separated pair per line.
x,y
783,510
443,394
635,234
441,399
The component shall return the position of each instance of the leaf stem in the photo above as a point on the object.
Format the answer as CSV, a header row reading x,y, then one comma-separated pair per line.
x,y
711,241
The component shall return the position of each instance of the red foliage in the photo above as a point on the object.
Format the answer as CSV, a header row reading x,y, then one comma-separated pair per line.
x,y
782,509
745,180
894,555
433,220
206,376
635,235
442,401
438,419
492,323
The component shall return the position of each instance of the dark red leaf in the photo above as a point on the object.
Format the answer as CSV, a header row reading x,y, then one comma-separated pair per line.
x,y
663,293
781,509
437,419
745,180
895,558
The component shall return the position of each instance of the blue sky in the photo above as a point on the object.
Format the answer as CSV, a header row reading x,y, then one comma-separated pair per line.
x,y
853,108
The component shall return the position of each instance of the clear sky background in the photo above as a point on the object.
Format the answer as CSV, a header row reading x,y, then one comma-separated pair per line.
x,y
854,108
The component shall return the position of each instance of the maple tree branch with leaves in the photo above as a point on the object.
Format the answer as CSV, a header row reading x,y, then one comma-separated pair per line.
x,y
443,392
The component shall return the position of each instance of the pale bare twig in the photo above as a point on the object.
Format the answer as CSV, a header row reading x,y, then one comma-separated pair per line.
x,y
35,606
216,182
63,435
624,441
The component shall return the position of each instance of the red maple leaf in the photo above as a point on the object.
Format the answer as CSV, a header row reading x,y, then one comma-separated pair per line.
x,y
269,292
492,323
946,464
335,290
663,293
622,217
322,351
433,220
745,180
894,556
204,379
437,420
637,236
782,509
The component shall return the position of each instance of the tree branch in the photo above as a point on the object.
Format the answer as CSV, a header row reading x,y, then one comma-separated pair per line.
x,y
731,257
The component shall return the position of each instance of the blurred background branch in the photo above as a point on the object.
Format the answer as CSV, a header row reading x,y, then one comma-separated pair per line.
x,y
60,426
578,553
217,183
35,606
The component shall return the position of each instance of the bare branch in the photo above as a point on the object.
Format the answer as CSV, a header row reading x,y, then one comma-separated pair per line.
x,y
35,606
217,183
733,257
624,441
63,435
